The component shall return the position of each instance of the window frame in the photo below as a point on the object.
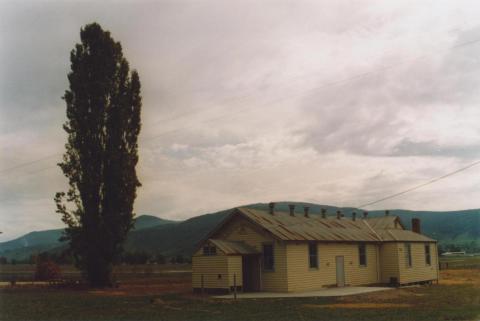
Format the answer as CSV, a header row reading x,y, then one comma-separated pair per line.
x,y
313,262
408,255
362,247
428,254
209,250
272,260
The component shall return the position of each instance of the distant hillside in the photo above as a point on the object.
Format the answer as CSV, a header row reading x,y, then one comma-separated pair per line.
x,y
156,236
175,239
148,221
457,228
36,242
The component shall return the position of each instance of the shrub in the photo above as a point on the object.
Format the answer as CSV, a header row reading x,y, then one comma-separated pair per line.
x,y
47,271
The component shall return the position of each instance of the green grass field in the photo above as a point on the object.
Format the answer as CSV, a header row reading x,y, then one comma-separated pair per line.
x,y
25,272
168,296
460,262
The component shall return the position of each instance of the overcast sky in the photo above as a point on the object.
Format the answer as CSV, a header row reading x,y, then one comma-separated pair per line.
x,y
333,102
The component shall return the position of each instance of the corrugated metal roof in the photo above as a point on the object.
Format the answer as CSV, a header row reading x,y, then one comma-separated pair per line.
x,y
313,228
403,236
384,222
233,247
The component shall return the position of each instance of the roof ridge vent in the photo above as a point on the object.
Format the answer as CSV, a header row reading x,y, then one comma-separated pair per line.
x,y
292,209
271,207
305,210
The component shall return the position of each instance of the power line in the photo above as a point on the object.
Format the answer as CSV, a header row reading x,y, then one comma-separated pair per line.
x,y
29,163
434,180
241,110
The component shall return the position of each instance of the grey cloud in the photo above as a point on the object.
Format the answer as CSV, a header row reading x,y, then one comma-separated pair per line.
x,y
406,147
225,88
365,116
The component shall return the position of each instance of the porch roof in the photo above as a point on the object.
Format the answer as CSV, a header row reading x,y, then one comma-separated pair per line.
x,y
397,235
233,247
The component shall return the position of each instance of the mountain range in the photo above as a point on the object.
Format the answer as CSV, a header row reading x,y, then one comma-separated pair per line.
x,y
153,235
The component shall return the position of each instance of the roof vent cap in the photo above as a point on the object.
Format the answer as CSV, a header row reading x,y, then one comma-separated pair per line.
x,y
305,210
292,209
271,207
324,212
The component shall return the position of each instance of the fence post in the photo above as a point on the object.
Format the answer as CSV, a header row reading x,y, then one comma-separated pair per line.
x,y
234,286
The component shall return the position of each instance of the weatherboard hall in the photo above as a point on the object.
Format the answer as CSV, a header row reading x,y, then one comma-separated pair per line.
x,y
272,251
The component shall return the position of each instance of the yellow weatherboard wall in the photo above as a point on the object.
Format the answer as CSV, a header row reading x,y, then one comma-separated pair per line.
x,y
235,270
389,262
210,267
242,237
239,229
303,278
419,271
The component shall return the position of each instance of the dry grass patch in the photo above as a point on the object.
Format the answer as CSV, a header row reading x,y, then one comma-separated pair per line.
x,y
458,277
108,292
358,305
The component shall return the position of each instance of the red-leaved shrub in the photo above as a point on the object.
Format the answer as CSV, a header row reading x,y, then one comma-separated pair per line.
x,y
47,271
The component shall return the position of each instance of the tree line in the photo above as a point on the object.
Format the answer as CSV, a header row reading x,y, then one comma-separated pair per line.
x,y
135,257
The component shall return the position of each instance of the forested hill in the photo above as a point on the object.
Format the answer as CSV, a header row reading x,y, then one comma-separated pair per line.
x,y
453,229
40,241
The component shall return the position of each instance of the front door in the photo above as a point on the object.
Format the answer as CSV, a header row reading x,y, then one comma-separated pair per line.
x,y
340,271
251,273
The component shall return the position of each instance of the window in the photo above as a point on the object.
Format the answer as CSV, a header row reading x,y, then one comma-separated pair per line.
x,y
362,254
209,250
268,262
428,258
312,255
408,254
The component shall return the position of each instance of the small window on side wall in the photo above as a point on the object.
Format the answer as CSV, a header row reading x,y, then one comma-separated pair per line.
x,y
209,250
428,257
408,255
312,255
362,254
268,259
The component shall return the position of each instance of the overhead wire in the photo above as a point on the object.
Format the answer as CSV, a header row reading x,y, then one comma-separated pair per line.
x,y
242,110
411,189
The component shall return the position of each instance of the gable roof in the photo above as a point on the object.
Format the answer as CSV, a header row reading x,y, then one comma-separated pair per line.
x,y
233,247
395,235
300,228
285,227
385,222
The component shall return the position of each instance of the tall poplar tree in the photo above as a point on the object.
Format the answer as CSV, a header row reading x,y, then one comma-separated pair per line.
x,y
103,122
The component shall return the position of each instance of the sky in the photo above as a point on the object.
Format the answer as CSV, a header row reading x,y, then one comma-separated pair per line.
x,y
332,102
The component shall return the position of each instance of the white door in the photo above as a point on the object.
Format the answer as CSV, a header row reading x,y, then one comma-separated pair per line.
x,y
340,271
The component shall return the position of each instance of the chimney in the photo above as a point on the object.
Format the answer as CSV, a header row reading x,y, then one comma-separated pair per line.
x,y
416,225
292,209
305,210
271,207
387,212
339,214
324,213
365,214
354,216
